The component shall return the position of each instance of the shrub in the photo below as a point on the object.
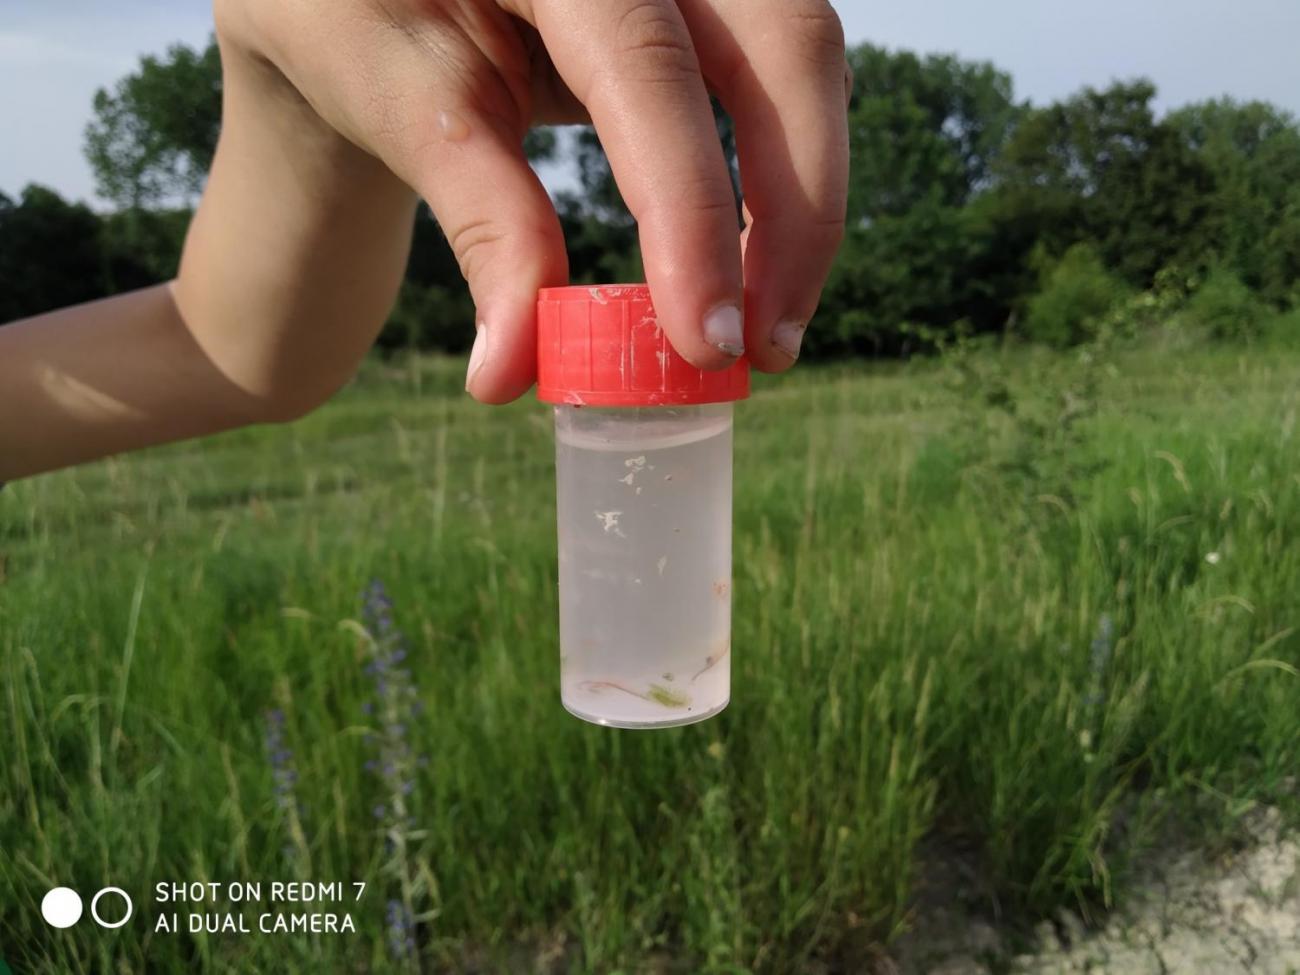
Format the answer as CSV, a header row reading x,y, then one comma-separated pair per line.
x,y
429,317
1226,307
1283,331
1074,298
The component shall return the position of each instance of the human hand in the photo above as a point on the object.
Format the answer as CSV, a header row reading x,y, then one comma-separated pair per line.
x,y
443,91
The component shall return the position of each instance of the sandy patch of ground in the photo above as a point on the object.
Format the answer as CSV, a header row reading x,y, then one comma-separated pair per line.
x,y
1238,913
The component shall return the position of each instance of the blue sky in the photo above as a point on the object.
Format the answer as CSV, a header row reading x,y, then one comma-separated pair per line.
x,y
55,53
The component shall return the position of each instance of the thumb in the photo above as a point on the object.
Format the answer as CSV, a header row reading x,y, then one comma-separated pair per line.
x,y
506,237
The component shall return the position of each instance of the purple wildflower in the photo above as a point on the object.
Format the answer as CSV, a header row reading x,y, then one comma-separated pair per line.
x,y
395,695
401,930
1099,658
392,762
283,773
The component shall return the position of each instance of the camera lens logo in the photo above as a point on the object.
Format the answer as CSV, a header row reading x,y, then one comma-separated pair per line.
x,y
62,907
94,908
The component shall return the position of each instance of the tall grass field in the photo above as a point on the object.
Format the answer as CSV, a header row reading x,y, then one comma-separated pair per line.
x,y
1026,609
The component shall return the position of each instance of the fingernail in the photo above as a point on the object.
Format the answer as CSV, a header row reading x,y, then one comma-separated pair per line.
x,y
477,354
788,336
725,330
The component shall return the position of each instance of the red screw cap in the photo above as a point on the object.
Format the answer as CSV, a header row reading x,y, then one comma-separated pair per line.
x,y
602,346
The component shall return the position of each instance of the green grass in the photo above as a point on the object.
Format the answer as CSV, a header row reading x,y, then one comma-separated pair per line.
x,y
1025,606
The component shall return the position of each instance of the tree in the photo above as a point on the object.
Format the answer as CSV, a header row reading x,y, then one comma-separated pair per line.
x,y
153,137
959,196
1077,294
923,129
925,134
1253,151
895,274
1099,167
50,253
143,247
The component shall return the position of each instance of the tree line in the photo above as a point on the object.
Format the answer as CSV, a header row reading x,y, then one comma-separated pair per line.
x,y
969,211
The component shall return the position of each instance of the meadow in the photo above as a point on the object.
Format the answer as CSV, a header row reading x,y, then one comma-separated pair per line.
x,y
1026,609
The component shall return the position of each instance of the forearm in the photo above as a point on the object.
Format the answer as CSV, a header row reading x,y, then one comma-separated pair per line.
x,y
289,270
96,379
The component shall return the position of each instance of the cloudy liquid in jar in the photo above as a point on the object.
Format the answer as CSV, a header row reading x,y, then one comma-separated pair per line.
x,y
644,514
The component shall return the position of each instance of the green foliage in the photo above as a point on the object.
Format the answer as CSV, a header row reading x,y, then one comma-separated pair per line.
x,y
429,316
55,253
923,131
541,144
1253,150
958,197
433,308
153,137
143,247
1226,307
1282,332
50,253
974,611
600,251
1076,296
1159,308
898,270
1099,167
431,260
1036,439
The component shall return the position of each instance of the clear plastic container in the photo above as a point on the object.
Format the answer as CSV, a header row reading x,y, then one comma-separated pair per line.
x,y
643,504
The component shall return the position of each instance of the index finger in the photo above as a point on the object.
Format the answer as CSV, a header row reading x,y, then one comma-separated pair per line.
x,y
781,72
633,65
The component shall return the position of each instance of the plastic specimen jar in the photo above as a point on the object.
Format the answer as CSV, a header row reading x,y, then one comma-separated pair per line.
x,y
643,506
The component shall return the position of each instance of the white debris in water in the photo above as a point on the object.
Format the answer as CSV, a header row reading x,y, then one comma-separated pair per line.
x,y
635,466
609,521
662,563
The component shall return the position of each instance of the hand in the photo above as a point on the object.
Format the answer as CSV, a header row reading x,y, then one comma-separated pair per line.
x,y
443,91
